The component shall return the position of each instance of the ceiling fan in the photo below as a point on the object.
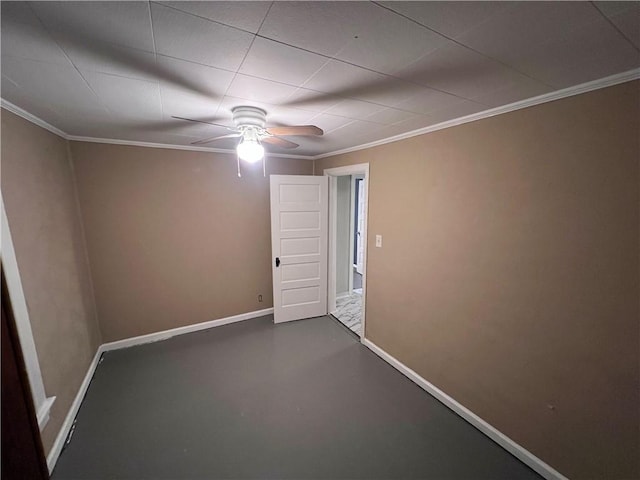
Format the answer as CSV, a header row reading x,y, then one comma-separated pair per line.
x,y
250,127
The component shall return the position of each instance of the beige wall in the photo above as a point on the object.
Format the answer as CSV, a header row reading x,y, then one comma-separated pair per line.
x,y
174,237
40,199
509,272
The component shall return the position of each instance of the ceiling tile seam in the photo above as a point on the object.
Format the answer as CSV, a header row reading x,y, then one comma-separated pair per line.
x,y
364,119
328,58
9,79
70,61
615,26
21,57
334,58
372,124
159,55
506,6
316,112
451,39
298,87
298,110
119,75
246,54
164,55
328,109
93,70
302,86
264,19
253,40
208,19
105,42
362,67
397,121
155,57
341,126
244,58
355,98
258,35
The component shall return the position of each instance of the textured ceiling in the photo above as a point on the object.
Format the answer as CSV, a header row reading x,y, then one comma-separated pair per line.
x,y
362,71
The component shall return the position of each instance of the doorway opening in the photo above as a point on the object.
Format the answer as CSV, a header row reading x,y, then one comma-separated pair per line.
x,y
348,187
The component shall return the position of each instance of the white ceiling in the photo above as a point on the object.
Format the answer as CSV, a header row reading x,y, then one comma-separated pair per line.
x,y
362,71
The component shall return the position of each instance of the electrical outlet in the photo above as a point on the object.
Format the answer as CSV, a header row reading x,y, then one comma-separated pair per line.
x,y
259,298
379,241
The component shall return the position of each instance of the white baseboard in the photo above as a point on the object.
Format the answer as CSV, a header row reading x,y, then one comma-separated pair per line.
x,y
54,453
42,414
56,449
163,335
501,439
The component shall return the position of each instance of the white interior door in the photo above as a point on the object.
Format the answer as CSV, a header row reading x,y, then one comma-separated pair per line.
x,y
299,210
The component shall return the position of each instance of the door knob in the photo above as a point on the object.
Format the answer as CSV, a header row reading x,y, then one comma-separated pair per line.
x,y
277,261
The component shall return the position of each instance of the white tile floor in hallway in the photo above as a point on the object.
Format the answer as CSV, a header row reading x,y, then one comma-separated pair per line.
x,y
349,310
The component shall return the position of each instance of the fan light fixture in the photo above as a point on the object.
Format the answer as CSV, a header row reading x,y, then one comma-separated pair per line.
x,y
250,126
249,149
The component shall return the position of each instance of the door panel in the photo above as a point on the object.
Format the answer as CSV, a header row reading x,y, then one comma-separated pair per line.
x,y
299,243
301,271
290,247
299,220
300,296
295,194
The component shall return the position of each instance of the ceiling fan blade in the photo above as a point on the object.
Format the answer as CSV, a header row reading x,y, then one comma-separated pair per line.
x,y
280,142
297,130
202,121
213,139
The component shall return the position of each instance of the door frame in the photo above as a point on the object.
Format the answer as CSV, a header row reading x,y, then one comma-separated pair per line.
x,y
352,229
333,174
41,402
355,205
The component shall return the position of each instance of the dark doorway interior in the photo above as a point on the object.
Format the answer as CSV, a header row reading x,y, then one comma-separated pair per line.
x,y
22,452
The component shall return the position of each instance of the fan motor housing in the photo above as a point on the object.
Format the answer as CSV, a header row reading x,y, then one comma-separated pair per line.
x,y
249,117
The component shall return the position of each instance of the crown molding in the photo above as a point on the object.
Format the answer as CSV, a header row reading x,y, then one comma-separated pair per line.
x,y
78,138
135,143
529,102
31,118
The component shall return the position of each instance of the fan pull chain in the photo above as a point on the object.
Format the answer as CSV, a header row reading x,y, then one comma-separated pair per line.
x,y
264,165
238,159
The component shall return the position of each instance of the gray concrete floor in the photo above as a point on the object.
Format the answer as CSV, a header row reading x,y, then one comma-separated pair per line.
x,y
256,400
